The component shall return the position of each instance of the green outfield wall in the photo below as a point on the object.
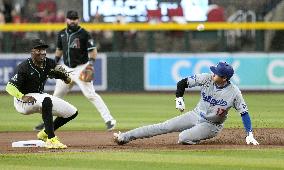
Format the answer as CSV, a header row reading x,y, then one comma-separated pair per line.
x,y
125,72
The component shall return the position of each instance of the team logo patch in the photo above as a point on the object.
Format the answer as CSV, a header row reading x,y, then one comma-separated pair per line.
x,y
15,78
75,43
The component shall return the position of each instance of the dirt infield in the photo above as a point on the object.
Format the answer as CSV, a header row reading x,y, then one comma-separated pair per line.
x,y
88,141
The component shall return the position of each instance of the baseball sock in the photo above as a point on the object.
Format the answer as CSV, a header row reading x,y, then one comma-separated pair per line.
x,y
60,121
47,117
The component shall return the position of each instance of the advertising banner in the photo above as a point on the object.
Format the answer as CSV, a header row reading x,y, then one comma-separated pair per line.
x,y
253,71
8,63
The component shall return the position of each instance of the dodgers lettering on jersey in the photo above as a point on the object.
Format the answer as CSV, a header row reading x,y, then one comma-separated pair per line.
x,y
215,102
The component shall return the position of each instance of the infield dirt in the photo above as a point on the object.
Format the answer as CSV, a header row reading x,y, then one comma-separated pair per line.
x,y
92,141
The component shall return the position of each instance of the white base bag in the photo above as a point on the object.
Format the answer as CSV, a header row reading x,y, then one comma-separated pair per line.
x,y
29,143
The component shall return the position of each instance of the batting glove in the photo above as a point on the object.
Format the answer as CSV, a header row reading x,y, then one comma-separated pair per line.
x,y
180,104
250,139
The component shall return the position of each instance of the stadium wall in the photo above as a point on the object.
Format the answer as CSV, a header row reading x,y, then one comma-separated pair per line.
x,y
138,72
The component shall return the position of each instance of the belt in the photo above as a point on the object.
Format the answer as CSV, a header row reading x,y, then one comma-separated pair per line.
x,y
202,115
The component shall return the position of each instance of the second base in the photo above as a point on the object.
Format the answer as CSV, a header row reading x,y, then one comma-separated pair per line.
x,y
29,143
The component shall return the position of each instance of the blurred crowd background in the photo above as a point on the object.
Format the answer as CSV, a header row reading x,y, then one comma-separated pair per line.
x,y
53,11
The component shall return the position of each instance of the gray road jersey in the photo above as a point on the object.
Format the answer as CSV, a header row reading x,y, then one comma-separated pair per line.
x,y
215,102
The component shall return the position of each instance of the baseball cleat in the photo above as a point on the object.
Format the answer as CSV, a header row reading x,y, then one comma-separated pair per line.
x,y
41,135
54,143
117,138
39,127
110,124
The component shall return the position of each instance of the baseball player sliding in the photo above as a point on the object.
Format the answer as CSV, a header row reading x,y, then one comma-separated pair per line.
x,y
27,87
79,52
206,120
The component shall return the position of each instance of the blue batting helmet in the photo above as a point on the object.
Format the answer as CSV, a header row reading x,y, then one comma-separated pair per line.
x,y
223,69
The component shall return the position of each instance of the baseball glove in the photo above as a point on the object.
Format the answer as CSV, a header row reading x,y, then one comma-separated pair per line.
x,y
59,73
87,74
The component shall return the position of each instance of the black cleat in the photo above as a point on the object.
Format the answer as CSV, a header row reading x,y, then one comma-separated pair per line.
x,y
110,124
39,127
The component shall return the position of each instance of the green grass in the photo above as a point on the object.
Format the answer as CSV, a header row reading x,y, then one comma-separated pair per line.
x,y
133,110
210,159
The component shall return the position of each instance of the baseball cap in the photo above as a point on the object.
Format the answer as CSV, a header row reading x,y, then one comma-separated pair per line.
x,y
223,69
72,15
38,43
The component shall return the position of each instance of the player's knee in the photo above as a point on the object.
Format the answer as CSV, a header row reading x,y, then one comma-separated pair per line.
x,y
91,96
47,105
47,102
185,139
73,116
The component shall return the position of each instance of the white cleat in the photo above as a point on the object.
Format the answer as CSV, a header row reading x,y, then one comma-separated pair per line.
x,y
118,139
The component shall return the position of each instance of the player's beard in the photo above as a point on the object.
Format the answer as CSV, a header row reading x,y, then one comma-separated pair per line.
x,y
73,27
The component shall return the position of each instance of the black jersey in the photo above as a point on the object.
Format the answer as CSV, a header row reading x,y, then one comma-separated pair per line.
x,y
75,46
29,78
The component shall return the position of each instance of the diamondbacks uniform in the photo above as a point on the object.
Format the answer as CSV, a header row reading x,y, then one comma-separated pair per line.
x,y
204,121
75,47
30,81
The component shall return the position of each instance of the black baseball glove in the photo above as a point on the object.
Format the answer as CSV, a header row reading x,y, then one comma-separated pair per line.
x,y
59,73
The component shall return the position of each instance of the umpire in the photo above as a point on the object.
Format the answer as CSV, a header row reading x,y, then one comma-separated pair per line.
x,y
79,52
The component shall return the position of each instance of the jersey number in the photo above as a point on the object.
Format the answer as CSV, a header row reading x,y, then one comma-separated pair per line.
x,y
221,112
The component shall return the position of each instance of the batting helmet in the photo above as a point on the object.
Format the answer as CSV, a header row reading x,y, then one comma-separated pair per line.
x,y
223,69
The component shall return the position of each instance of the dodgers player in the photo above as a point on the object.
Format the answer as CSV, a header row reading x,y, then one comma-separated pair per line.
x,y
78,49
206,120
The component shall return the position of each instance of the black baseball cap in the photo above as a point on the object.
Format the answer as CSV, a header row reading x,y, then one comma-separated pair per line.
x,y
71,14
38,43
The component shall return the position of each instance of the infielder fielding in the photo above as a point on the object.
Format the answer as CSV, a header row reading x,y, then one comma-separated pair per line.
x,y
79,54
27,87
206,120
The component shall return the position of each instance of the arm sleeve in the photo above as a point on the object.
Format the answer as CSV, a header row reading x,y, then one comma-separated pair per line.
x,y
13,91
18,80
239,103
91,43
246,121
59,41
181,85
192,81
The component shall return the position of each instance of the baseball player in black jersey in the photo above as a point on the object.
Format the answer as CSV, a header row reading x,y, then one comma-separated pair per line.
x,y
27,86
79,52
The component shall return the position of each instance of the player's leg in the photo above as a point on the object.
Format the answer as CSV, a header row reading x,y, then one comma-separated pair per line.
x,y
44,105
89,92
199,132
175,124
64,112
61,89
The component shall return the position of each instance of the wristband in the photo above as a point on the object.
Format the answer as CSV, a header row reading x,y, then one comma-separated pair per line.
x,y
92,61
57,58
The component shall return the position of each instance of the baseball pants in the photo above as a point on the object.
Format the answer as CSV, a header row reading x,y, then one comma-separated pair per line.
x,y
193,129
60,107
87,88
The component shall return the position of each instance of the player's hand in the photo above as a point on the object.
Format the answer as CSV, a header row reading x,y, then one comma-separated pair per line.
x,y
250,139
29,99
180,104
